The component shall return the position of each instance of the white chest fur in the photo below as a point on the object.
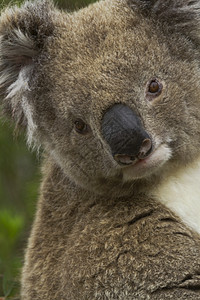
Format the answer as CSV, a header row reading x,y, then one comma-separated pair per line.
x,y
180,192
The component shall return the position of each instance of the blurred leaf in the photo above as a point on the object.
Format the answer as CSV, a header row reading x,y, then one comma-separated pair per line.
x,y
11,227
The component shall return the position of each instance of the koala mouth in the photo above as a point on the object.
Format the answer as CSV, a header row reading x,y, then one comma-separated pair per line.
x,y
140,168
125,160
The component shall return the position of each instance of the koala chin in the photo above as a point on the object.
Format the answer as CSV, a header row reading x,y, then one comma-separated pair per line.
x,y
111,95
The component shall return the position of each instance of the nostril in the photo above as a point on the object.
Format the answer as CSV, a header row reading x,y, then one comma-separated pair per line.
x,y
124,159
145,149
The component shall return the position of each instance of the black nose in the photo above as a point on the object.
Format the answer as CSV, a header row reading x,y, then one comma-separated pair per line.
x,y
123,131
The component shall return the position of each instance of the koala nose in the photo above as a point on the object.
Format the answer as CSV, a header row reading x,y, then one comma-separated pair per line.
x,y
123,131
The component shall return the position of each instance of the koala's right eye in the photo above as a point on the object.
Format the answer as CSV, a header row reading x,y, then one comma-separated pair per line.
x,y
154,89
81,127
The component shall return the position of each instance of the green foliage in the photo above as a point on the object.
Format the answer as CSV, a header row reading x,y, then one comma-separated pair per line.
x,y
11,228
19,185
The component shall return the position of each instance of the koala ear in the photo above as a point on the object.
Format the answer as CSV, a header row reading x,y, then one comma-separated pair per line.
x,y
181,16
23,34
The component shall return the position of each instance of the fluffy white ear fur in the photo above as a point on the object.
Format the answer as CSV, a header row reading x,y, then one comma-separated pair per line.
x,y
15,52
31,126
21,84
24,32
16,93
180,192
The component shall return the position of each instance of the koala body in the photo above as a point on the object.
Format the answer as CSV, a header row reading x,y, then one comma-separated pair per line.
x,y
111,93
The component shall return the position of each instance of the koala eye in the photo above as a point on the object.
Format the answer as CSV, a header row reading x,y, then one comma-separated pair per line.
x,y
80,126
154,88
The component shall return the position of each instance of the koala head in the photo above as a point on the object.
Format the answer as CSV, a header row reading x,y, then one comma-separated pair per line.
x,y
111,92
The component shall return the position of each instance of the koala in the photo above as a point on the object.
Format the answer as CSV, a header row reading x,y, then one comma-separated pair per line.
x,y
111,94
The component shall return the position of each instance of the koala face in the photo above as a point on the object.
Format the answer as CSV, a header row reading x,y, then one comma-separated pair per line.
x,y
111,92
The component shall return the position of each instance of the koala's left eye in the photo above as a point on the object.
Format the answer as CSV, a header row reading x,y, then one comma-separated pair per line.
x,y
80,126
154,88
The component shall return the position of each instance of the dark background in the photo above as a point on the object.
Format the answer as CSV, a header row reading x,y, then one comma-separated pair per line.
x,y
19,188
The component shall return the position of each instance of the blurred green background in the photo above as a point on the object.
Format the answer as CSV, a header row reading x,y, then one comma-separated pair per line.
x,y
19,187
